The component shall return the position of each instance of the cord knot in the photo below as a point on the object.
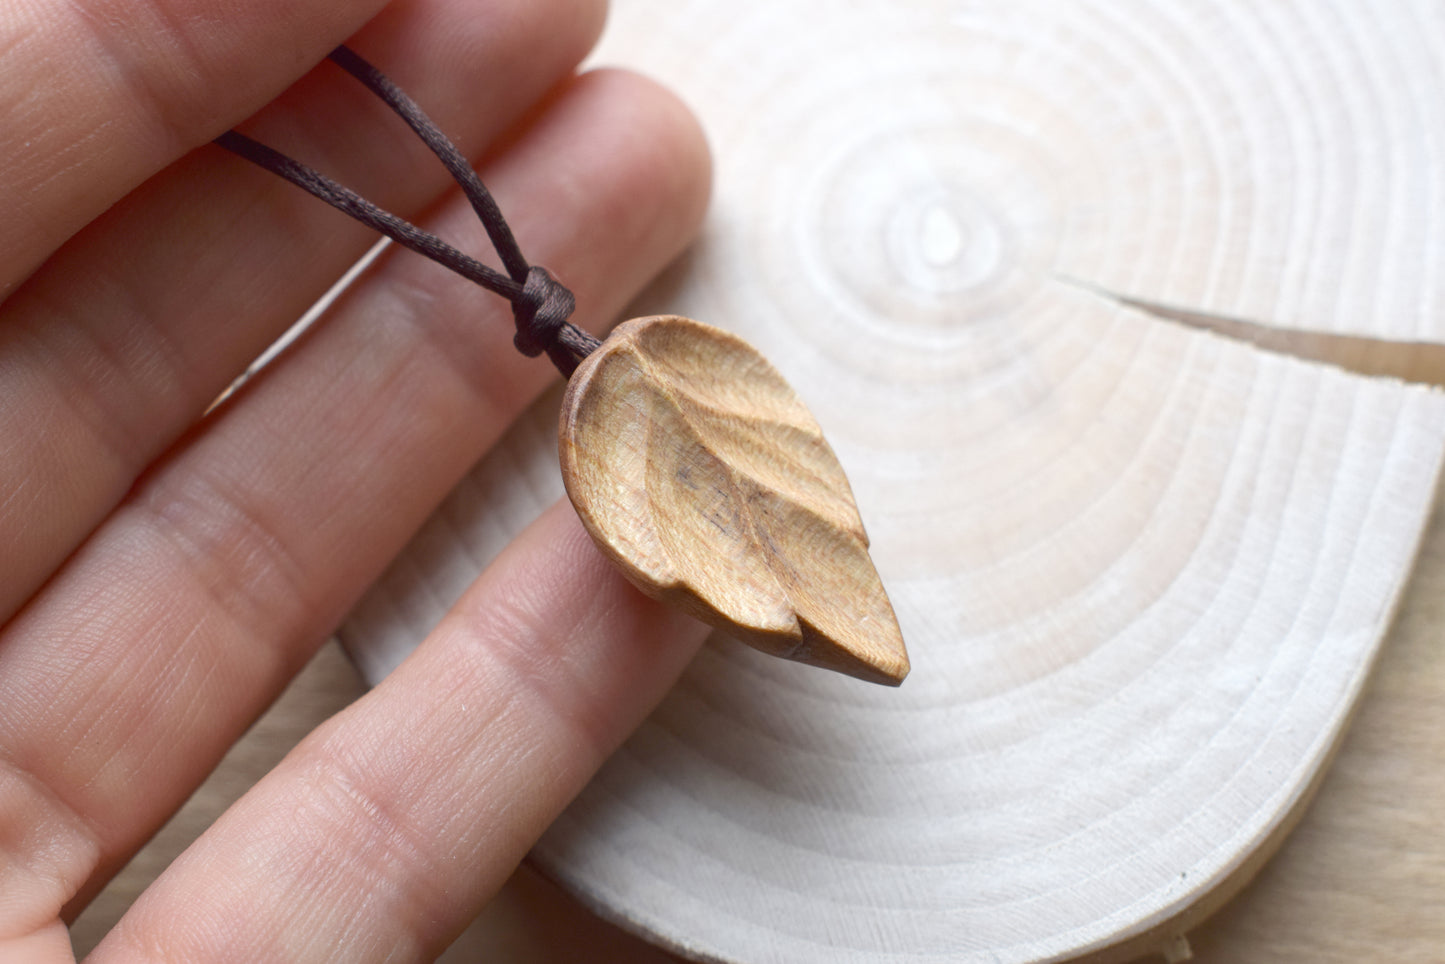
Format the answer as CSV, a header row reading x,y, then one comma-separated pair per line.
x,y
540,310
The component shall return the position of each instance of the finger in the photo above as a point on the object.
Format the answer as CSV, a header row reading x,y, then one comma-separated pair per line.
x,y
49,945
387,829
183,616
100,95
119,343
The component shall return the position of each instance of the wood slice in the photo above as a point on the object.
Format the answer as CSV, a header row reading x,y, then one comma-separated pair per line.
x,y
1142,570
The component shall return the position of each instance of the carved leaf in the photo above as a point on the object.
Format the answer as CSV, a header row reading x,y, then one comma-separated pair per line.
x,y
702,475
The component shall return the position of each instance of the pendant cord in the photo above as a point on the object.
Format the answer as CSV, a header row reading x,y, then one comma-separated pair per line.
x,y
541,305
456,164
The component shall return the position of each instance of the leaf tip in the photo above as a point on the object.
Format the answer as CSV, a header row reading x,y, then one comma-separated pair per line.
x,y
875,658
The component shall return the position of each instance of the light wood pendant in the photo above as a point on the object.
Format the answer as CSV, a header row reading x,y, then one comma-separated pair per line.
x,y
1142,568
700,473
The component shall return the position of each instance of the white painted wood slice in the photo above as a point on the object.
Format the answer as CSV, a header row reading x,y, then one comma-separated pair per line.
x,y
1142,570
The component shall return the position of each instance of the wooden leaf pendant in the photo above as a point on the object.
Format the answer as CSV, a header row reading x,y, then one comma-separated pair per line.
x,y
702,475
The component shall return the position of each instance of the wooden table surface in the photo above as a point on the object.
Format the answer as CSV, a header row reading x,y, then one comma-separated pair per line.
x,y
1361,878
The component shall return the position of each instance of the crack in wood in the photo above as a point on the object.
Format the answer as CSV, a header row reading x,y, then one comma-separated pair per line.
x,y
1420,362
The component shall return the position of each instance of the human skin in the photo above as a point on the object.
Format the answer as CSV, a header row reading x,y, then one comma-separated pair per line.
x,y
167,571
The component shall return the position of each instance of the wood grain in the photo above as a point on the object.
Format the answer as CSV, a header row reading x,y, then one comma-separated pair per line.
x,y
701,474
1144,570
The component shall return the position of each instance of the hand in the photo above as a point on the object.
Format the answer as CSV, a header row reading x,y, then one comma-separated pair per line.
x,y
166,572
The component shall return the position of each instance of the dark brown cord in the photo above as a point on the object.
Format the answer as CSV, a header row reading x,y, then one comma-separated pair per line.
x,y
541,305
344,199
456,163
